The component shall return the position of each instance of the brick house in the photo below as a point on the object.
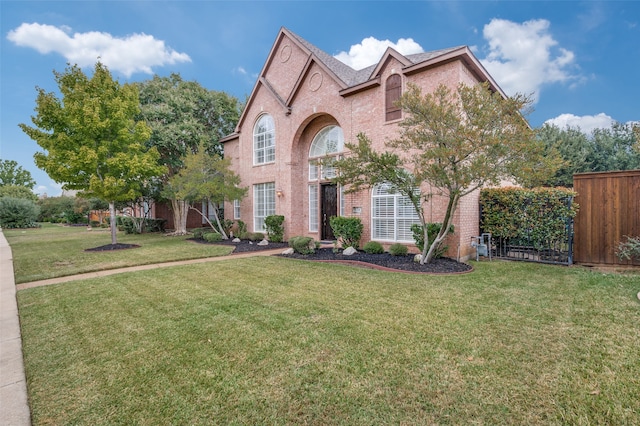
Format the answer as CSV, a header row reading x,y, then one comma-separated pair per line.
x,y
304,106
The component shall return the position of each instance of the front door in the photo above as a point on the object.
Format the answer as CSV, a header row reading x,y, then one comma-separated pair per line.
x,y
328,208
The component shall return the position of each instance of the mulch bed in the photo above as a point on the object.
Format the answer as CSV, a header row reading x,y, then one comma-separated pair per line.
x,y
383,261
110,247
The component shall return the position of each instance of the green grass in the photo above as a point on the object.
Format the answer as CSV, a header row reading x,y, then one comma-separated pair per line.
x,y
279,341
55,251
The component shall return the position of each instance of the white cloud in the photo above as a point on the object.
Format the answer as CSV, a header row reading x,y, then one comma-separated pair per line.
x,y
586,123
371,50
127,55
524,57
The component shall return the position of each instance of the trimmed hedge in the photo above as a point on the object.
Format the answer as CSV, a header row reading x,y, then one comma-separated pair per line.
x,y
373,247
302,245
537,215
348,230
275,229
398,249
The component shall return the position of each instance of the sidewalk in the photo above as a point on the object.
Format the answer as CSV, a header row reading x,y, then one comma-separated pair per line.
x,y
13,383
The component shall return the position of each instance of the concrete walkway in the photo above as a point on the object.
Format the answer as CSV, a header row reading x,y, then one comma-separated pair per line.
x,y
13,384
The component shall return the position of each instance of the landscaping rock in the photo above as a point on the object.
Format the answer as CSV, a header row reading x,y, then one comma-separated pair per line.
x,y
417,258
289,251
349,251
263,243
236,240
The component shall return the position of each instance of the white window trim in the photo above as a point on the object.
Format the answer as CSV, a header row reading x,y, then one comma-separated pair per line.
x,y
269,135
263,207
398,201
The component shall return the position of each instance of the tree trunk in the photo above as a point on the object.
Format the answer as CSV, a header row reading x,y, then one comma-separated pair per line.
x,y
220,229
446,224
180,211
112,221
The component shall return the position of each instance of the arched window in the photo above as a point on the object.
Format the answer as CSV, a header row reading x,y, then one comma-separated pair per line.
x,y
392,215
264,140
328,142
393,91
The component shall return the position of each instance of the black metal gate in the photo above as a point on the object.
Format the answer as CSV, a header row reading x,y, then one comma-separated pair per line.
x,y
526,247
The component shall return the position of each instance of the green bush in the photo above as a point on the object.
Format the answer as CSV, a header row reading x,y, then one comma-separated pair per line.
x,y
275,229
398,249
212,237
198,233
255,236
536,215
347,229
629,250
432,232
18,213
302,245
241,229
373,247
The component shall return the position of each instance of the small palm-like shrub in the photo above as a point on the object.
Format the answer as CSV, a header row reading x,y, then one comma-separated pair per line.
x,y
373,247
398,249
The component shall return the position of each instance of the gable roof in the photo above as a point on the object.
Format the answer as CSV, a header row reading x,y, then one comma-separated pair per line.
x,y
352,81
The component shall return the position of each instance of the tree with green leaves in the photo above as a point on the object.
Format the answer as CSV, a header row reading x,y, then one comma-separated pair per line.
x,y
13,174
91,140
617,148
184,116
208,178
451,142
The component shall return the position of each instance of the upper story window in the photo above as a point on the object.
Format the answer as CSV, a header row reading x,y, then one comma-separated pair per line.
x,y
393,91
264,140
327,143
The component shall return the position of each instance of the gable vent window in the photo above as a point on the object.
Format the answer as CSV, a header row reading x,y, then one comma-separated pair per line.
x,y
393,92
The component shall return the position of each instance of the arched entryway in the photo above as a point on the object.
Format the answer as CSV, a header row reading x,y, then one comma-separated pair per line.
x,y
324,195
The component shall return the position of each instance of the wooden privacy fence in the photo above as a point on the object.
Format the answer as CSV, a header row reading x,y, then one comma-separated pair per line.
x,y
609,210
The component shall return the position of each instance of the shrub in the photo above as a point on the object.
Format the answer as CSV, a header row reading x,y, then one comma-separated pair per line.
x,y
198,233
255,236
398,249
18,213
373,247
242,228
347,229
212,237
630,249
302,245
536,217
432,232
275,229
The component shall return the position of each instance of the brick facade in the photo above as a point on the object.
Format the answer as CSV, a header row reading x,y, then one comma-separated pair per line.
x,y
304,90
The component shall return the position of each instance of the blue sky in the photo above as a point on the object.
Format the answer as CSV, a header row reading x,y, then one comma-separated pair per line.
x,y
580,60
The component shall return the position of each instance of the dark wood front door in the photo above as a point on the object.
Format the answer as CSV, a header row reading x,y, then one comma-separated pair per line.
x,y
329,207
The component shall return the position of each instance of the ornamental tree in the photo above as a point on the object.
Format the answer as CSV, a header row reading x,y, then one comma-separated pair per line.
x,y
456,141
90,138
183,116
208,178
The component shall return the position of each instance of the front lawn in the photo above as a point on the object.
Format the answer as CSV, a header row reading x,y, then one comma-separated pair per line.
x,y
270,340
56,250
